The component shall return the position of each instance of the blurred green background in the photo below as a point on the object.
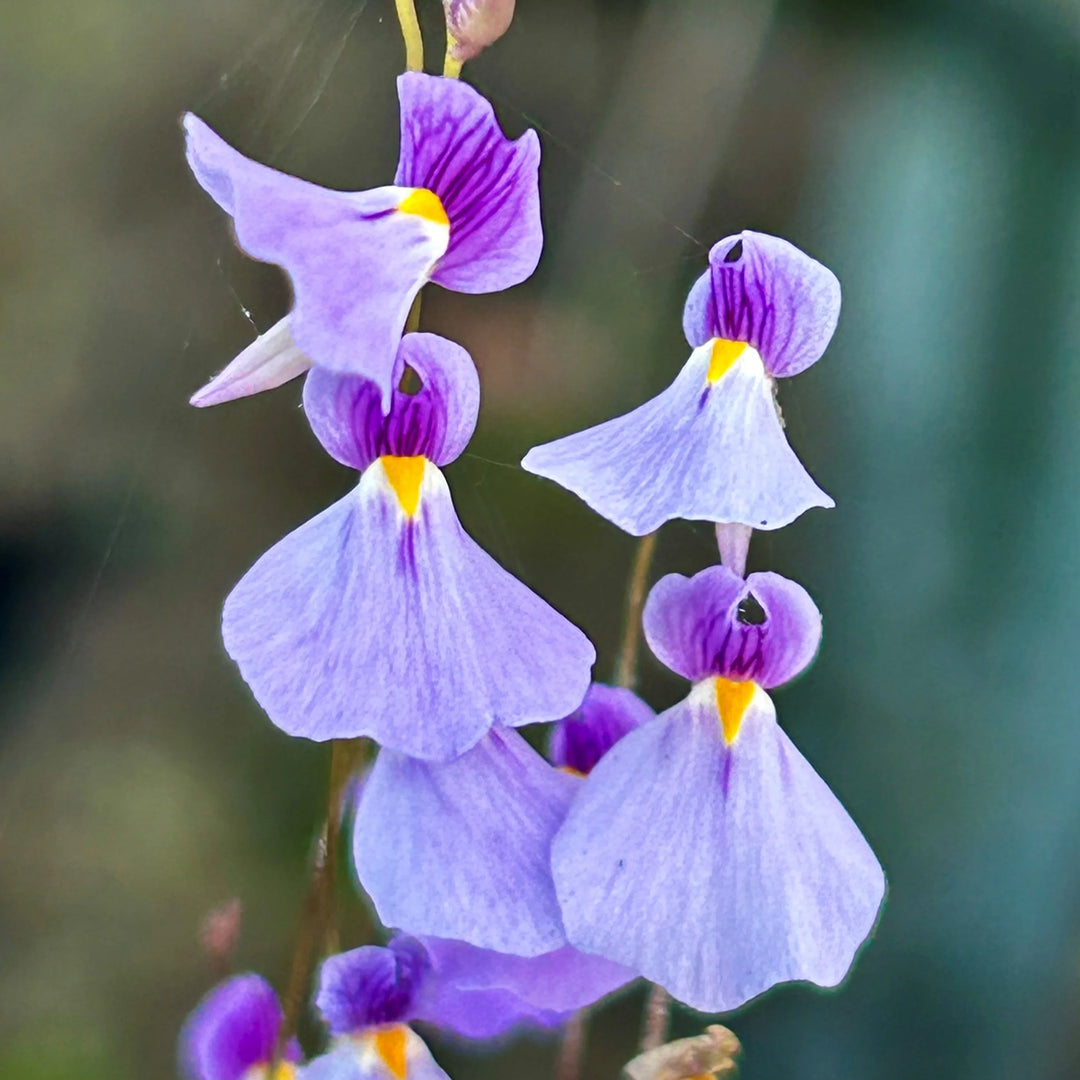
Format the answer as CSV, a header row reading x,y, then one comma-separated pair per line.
x,y
928,152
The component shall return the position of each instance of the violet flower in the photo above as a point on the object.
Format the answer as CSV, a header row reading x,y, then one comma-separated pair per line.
x,y
703,850
711,447
578,741
370,995
464,212
232,1034
381,616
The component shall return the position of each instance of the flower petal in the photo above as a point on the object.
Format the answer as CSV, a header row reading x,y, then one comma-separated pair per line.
x,y
461,849
233,1029
764,291
451,143
765,629
702,450
270,361
371,986
580,740
365,1058
355,259
480,993
716,870
370,620
435,422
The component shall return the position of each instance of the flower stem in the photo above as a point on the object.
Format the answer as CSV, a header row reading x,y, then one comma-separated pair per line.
x,y
410,31
573,1046
318,922
658,1006
636,591
451,65
657,1013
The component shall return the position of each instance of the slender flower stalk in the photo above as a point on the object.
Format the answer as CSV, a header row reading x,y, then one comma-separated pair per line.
x,y
572,1050
451,64
318,920
636,591
410,31
657,1015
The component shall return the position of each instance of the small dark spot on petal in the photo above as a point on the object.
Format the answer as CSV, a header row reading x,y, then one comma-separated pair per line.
x,y
619,864
750,612
411,383
734,253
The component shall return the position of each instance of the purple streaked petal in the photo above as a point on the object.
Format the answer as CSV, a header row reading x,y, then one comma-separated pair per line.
x,y
451,143
716,870
703,451
233,1029
461,849
354,260
764,291
481,994
370,986
765,629
369,621
270,361
581,739
437,421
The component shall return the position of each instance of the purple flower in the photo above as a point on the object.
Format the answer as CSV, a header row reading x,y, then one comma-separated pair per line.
x,y
462,849
464,212
711,447
703,850
381,616
580,740
474,993
232,1033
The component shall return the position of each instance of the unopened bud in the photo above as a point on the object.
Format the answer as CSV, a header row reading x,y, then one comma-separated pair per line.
x,y
473,25
219,933
714,1053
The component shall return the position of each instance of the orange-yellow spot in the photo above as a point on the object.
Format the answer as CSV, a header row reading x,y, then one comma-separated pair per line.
x,y
732,698
405,475
390,1046
425,204
285,1071
724,354
571,771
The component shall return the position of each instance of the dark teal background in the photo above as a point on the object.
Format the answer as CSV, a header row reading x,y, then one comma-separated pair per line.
x,y
929,153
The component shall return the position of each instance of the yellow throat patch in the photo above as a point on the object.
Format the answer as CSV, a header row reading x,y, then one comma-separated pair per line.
x,y
405,475
724,354
732,700
390,1045
425,204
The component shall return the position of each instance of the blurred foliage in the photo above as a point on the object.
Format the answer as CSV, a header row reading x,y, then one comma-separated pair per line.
x,y
927,151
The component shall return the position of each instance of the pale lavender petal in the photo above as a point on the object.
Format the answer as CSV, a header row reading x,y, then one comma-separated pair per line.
x,y
461,849
437,421
701,450
357,1058
480,994
716,870
764,291
451,143
234,1028
270,361
765,629
370,986
354,259
580,740
370,621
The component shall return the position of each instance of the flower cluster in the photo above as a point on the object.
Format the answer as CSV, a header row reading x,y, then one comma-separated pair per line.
x,y
697,848
704,851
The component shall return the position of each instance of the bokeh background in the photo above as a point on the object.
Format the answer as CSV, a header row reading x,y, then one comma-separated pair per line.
x,y
929,152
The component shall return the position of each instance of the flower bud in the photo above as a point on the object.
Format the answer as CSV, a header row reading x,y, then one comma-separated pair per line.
x,y
473,25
